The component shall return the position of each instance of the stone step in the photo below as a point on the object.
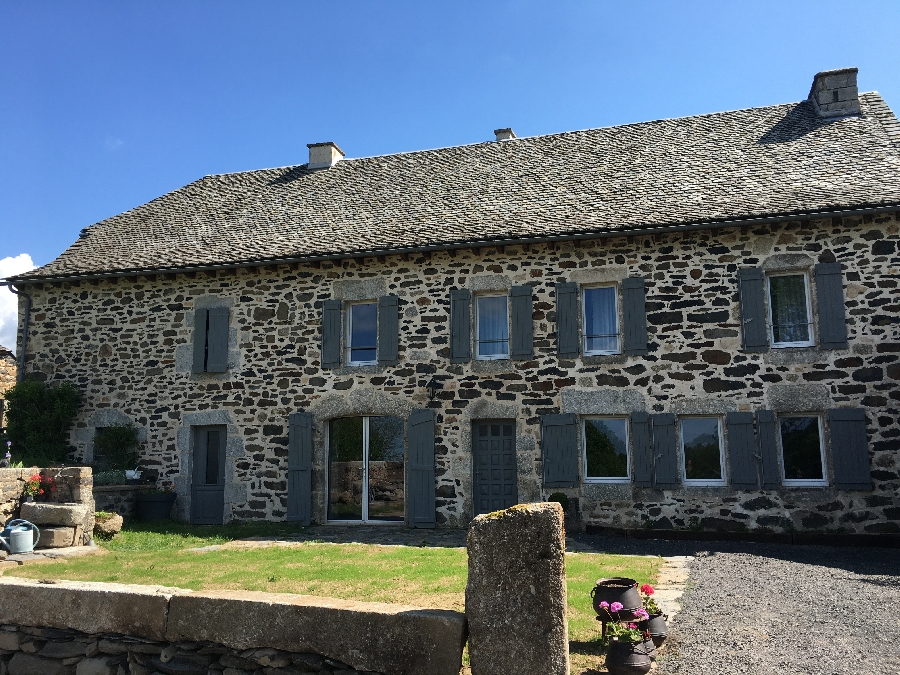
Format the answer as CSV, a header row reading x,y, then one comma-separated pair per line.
x,y
56,537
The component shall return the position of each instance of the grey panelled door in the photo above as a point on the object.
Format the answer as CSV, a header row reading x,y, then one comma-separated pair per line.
x,y
494,445
208,479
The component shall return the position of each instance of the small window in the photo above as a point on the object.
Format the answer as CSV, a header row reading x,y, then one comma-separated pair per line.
x,y
362,333
606,450
701,448
802,453
492,320
600,320
790,317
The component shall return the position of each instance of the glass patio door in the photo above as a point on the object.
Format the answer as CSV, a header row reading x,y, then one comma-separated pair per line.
x,y
366,469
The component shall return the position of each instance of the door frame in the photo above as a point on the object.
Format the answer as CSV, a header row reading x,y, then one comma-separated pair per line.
x,y
198,468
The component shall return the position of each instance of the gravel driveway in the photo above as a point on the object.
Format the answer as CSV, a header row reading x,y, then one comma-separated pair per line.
x,y
760,609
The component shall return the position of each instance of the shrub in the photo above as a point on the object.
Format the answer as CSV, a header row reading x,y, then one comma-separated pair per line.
x,y
561,498
117,446
38,420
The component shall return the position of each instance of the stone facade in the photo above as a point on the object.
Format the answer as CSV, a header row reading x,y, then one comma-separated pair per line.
x,y
8,370
127,343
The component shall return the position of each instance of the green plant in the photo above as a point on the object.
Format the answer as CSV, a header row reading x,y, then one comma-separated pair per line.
x,y
39,484
38,420
117,446
109,478
694,524
624,632
561,498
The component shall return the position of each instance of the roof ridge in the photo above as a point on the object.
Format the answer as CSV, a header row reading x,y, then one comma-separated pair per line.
x,y
885,116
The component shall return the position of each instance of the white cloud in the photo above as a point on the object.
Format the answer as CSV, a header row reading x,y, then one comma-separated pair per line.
x,y
113,144
9,302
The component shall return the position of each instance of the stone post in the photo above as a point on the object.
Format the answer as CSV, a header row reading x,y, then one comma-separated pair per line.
x,y
516,592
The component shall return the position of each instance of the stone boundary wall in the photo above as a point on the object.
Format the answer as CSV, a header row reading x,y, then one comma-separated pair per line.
x,y
87,628
121,499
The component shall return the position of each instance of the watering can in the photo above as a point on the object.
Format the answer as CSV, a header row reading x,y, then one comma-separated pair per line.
x,y
20,536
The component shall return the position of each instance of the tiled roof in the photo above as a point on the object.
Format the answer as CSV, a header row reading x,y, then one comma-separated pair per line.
x,y
709,168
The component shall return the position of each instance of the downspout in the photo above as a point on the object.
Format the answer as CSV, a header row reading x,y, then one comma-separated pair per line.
x,y
20,373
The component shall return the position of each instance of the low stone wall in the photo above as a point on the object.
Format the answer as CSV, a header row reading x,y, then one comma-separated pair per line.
x,y
76,628
121,499
74,490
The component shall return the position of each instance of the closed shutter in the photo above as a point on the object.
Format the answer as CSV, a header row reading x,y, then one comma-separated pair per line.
x,y
634,313
832,316
388,330
460,326
665,454
767,438
742,451
420,490
522,338
560,450
641,452
299,484
752,295
567,345
201,316
217,341
331,333
850,449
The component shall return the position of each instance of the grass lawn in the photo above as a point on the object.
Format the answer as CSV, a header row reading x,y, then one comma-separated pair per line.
x,y
424,576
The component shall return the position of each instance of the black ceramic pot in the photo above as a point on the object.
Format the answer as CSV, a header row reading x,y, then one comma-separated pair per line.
x,y
616,589
658,629
627,658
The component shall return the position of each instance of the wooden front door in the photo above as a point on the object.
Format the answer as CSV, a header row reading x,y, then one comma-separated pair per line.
x,y
494,447
208,479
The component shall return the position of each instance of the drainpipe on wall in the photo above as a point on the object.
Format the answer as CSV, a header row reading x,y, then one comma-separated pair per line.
x,y
20,373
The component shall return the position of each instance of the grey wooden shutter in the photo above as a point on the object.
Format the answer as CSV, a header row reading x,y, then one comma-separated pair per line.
x,y
634,314
460,326
850,449
832,316
331,333
742,450
388,330
299,492
665,453
767,438
567,345
560,450
752,295
522,338
201,316
641,453
217,341
421,488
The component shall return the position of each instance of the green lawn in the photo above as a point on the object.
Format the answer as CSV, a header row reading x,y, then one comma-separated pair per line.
x,y
424,576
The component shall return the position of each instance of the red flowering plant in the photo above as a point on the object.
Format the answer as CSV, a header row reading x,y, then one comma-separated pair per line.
x,y
650,605
39,485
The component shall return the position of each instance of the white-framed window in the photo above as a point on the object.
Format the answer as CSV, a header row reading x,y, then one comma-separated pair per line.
x,y
362,333
605,453
600,320
790,310
702,451
492,327
802,450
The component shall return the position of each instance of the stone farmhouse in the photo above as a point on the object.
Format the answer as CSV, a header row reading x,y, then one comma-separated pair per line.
x,y
686,323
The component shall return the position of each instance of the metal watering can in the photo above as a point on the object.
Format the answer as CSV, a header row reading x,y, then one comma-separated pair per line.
x,y
20,536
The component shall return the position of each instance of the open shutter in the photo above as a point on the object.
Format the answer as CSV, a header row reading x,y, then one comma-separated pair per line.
x,y
388,330
665,454
742,451
634,313
201,316
767,434
832,317
331,333
641,460
567,320
522,338
460,326
560,450
420,492
217,341
752,295
299,494
850,449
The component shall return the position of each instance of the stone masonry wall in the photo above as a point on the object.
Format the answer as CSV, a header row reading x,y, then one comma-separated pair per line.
x,y
127,344
73,485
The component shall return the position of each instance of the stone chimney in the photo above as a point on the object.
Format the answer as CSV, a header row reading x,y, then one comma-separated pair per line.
x,y
504,134
834,93
324,155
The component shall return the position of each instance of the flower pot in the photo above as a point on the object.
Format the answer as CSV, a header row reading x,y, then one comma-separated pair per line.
x,y
156,506
657,628
29,498
616,589
627,658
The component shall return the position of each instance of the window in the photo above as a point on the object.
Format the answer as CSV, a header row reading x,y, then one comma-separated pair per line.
x,y
802,454
790,316
362,333
492,320
600,320
606,450
701,448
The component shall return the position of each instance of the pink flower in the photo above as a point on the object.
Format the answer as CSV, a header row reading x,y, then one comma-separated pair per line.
x,y
642,614
604,604
632,625
647,589
616,606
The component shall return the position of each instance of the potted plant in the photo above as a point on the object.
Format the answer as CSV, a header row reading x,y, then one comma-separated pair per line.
x,y
655,621
39,487
156,503
630,651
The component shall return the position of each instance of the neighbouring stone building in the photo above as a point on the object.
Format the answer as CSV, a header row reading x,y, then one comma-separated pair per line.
x,y
8,372
682,323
